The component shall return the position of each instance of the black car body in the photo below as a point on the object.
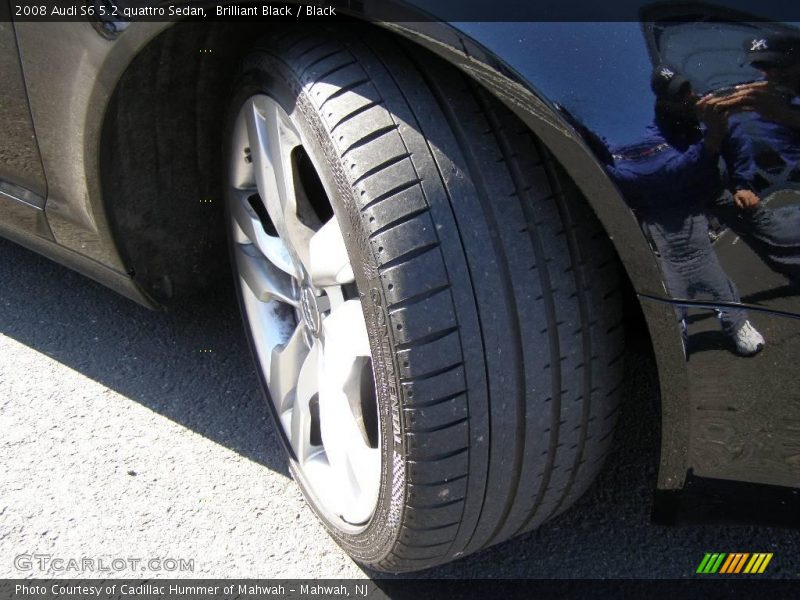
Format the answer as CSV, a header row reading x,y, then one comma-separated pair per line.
x,y
583,89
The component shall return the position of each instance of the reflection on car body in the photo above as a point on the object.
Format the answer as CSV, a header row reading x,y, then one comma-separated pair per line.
x,y
714,185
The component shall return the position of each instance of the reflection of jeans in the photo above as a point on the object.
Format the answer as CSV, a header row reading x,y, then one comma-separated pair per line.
x,y
691,268
772,233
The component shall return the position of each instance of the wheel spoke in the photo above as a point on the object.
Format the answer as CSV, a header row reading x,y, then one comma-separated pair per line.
x,y
298,238
241,172
328,261
253,232
307,386
365,465
264,279
357,466
271,143
287,361
257,115
346,330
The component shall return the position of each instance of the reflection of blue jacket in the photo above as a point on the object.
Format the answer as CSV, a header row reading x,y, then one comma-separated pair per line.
x,y
754,141
664,174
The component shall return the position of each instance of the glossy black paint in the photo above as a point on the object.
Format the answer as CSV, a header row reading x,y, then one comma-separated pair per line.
x,y
585,90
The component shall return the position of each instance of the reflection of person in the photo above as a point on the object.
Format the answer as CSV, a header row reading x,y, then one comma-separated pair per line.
x,y
774,100
667,179
764,140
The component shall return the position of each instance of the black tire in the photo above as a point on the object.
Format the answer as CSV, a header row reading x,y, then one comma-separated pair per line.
x,y
491,293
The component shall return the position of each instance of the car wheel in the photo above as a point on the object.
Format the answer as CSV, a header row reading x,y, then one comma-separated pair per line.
x,y
434,310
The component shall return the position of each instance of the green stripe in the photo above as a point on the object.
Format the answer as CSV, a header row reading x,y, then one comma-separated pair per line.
x,y
701,568
711,562
718,564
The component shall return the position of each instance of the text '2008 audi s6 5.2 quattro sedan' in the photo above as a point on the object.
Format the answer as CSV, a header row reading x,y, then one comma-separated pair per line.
x,y
441,227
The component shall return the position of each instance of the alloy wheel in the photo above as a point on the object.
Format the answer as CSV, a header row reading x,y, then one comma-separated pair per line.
x,y
303,310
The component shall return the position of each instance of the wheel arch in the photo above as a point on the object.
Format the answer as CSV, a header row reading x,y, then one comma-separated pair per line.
x,y
167,266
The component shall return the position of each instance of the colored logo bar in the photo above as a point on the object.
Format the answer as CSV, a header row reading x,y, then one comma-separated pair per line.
x,y
734,563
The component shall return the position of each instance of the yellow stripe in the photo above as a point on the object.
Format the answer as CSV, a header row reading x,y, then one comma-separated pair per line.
x,y
765,563
727,563
741,562
761,557
753,562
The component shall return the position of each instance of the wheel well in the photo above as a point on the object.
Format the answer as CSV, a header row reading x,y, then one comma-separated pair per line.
x,y
161,158
161,164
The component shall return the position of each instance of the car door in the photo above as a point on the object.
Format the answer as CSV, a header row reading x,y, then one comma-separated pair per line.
x,y
22,183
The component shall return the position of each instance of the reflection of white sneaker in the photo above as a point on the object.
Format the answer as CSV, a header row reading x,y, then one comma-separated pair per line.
x,y
748,341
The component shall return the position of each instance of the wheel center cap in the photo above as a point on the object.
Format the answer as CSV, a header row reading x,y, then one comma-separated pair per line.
x,y
310,310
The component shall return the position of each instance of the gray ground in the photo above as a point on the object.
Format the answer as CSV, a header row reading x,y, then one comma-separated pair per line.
x,y
122,436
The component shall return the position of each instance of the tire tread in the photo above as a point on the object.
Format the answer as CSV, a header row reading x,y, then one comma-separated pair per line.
x,y
501,291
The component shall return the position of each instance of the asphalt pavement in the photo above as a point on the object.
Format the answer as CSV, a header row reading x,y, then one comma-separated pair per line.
x,y
131,433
